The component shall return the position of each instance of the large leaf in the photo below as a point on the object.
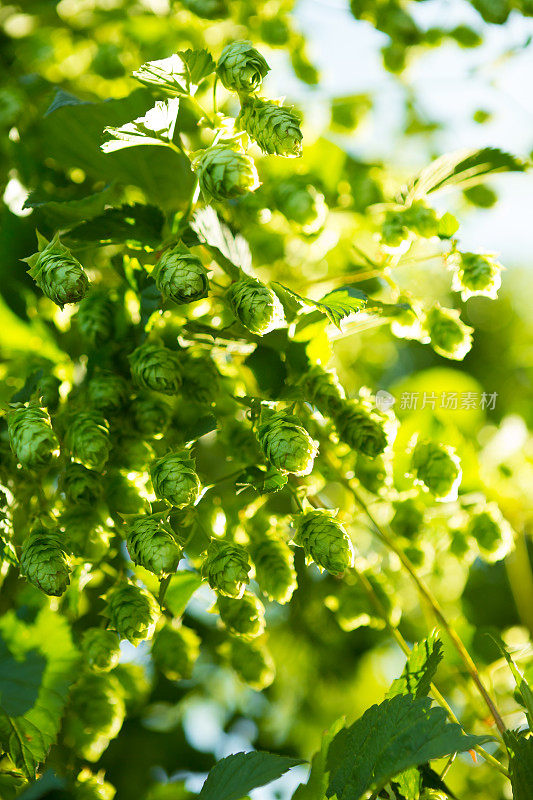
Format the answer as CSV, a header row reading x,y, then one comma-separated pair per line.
x,y
420,668
520,764
37,667
180,73
233,777
156,127
399,733
317,783
63,213
130,223
234,251
336,305
180,590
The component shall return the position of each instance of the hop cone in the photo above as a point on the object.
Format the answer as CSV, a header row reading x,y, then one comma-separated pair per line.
x,y
286,444
92,787
241,68
174,479
152,546
150,416
200,378
32,438
300,202
95,714
475,274
372,473
360,429
449,336
325,541
252,662
276,129
87,439
131,453
80,485
226,568
43,561
492,533
132,612
408,518
85,533
96,318
181,276
274,568
101,649
225,173
323,389
108,393
255,305
175,651
48,391
243,617
353,609
437,466
156,367
57,273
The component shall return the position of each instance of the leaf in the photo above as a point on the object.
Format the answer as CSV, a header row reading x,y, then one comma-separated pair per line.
x,y
236,775
63,213
315,788
139,223
464,167
262,479
48,784
61,99
180,590
522,685
520,764
155,127
233,250
37,667
180,73
399,733
420,668
335,305
198,65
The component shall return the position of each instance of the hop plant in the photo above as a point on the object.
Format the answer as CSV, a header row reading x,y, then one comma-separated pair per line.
x,y
174,479
48,391
322,388
100,648
252,662
151,545
96,318
31,436
408,517
95,714
491,531
285,443
255,305
108,393
132,612
273,560
360,429
226,568
475,274
325,541
449,336
437,467
275,128
87,438
151,416
175,650
57,273
156,367
80,485
44,561
181,276
241,68
244,616
224,172
83,529
300,202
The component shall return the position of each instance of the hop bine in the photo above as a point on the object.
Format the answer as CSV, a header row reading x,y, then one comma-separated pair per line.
x,y
255,305
438,468
44,561
57,273
241,68
175,651
225,173
325,541
87,438
360,429
181,276
174,479
285,443
152,546
242,617
226,568
273,560
156,367
275,128
31,436
132,612
101,649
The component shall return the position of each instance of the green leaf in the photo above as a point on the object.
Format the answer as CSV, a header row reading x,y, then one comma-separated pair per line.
x,y
138,223
37,667
264,480
317,783
399,733
522,685
420,668
198,65
520,764
64,213
233,251
460,169
47,784
233,777
155,127
335,305
179,74
180,590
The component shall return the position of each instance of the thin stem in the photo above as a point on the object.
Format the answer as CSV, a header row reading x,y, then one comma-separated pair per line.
x,y
215,110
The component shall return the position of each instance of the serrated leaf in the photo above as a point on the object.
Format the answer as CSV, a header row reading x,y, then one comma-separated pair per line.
x,y
180,73
233,250
156,127
460,169
64,213
7,551
261,479
335,305
236,775
315,788
37,667
522,685
399,733
180,590
139,223
420,668
198,65
520,749
61,99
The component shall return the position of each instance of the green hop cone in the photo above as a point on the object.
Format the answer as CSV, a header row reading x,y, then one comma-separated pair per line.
x,y
175,480
242,617
226,568
132,612
44,562
438,468
175,651
449,336
241,68
57,273
96,318
101,649
85,532
87,438
324,541
422,219
225,173
285,443
151,416
131,453
372,473
181,276
31,436
152,546
255,305
156,367
275,128
80,485
475,274
92,787
301,203
200,378
107,393
360,428
353,608
491,531
252,662
48,391
408,517
273,560
323,389
95,714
